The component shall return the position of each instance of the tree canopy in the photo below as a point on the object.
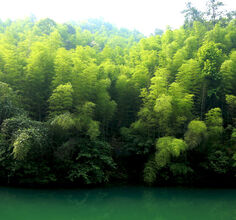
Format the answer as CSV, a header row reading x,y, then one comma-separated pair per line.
x,y
88,103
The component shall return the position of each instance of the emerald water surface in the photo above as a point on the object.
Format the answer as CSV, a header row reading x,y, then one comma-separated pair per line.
x,y
131,203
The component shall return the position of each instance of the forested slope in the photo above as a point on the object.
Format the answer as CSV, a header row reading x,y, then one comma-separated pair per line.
x,y
87,103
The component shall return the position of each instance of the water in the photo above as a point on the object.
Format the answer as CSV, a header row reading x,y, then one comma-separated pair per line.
x,y
123,203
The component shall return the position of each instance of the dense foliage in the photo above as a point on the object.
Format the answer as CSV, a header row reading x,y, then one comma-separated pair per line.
x,y
87,103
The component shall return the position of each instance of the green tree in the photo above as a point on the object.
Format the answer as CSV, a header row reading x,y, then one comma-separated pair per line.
x,y
191,14
44,26
26,155
196,133
84,162
213,10
9,102
229,74
61,100
210,59
231,102
63,67
39,75
214,123
167,148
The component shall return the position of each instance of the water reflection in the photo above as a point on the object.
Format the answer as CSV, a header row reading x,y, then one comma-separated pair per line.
x,y
118,204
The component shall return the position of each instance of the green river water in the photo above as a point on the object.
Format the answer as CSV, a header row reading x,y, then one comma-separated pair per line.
x,y
117,203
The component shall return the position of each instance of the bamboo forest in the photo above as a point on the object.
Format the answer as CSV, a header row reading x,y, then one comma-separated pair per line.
x,y
88,104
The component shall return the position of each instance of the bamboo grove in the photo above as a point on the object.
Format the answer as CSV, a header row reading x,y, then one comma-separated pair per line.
x,y
88,103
